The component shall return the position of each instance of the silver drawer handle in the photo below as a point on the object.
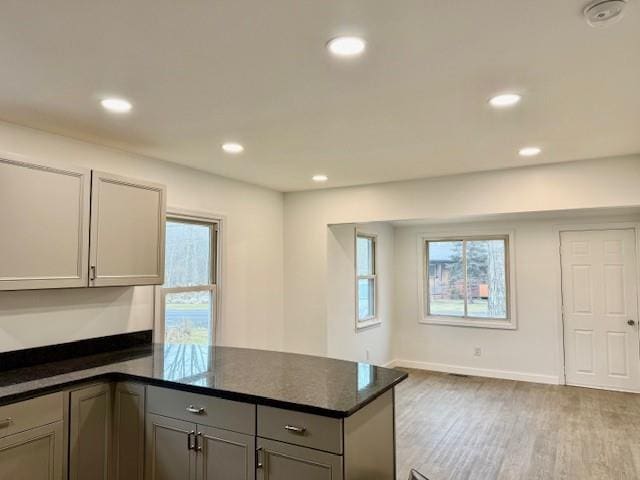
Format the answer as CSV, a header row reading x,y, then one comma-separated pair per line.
x,y
294,429
6,422
196,410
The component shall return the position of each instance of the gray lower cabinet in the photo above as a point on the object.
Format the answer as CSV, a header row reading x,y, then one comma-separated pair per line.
x,y
90,432
170,449
35,454
176,449
127,458
198,437
225,455
32,439
282,461
128,431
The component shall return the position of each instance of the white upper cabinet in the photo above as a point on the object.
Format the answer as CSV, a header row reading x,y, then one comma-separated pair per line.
x,y
127,231
44,219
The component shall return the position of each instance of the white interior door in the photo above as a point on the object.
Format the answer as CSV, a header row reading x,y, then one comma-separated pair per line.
x,y
599,296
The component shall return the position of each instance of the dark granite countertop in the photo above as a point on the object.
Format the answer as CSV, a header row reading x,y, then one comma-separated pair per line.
x,y
306,383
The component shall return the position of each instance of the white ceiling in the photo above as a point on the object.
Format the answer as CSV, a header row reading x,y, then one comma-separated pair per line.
x,y
203,72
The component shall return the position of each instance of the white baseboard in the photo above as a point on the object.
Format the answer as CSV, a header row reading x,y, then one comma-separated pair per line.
x,y
476,372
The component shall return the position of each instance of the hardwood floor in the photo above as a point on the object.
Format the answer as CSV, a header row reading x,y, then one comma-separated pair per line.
x,y
452,427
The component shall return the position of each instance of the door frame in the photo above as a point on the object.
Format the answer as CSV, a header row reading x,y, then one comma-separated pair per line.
x,y
581,227
158,307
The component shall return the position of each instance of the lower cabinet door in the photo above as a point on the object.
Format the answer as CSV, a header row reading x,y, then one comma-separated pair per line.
x,y
32,455
90,432
169,449
128,431
225,455
281,461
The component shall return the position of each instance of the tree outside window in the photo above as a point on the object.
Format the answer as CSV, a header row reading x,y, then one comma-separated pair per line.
x,y
467,278
188,300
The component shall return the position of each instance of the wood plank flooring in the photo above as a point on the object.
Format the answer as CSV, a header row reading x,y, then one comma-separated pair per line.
x,y
451,427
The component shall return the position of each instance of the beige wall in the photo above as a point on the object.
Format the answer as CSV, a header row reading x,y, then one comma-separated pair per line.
x,y
252,253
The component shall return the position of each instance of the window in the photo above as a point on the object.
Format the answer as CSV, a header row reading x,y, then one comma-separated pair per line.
x,y
366,280
188,297
466,281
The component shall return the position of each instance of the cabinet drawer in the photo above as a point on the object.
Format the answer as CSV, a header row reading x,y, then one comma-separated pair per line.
x,y
32,413
202,409
307,430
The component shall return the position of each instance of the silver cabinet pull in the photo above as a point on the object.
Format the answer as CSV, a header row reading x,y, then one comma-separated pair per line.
x,y
259,462
199,441
92,272
191,440
294,429
196,410
6,422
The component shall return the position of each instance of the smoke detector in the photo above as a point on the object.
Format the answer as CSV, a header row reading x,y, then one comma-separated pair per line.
x,y
602,13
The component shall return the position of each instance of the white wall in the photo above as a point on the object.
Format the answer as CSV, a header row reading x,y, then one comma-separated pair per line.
x,y
371,344
532,351
252,310
253,295
587,184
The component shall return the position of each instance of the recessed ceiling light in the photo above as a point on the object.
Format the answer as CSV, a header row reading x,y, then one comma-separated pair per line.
x,y
232,147
529,151
116,105
346,46
505,100
319,178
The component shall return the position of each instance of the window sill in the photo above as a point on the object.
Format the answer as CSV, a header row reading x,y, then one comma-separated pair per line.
x,y
366,324
468,322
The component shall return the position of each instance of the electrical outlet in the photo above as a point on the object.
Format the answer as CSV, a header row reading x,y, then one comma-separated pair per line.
x,y
477,352
366,354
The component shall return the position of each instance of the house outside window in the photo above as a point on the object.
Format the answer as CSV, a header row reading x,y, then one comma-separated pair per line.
x,y
468,281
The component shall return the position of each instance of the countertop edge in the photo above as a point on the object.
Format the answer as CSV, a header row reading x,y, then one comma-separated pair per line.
x,y
228,395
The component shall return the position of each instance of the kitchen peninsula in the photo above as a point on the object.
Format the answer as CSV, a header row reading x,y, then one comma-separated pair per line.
x,y
169,411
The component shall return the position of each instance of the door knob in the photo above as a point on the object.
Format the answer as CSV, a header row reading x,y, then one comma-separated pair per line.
x,y
631,322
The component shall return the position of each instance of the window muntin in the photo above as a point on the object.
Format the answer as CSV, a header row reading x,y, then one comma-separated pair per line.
x,y
188,296
467,278
366,277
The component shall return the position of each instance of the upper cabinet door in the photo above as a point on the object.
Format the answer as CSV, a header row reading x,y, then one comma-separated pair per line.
x,y
44,216
127,231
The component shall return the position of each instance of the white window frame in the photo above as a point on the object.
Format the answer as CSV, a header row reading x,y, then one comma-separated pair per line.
x,y
160,292
373,319
510,323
